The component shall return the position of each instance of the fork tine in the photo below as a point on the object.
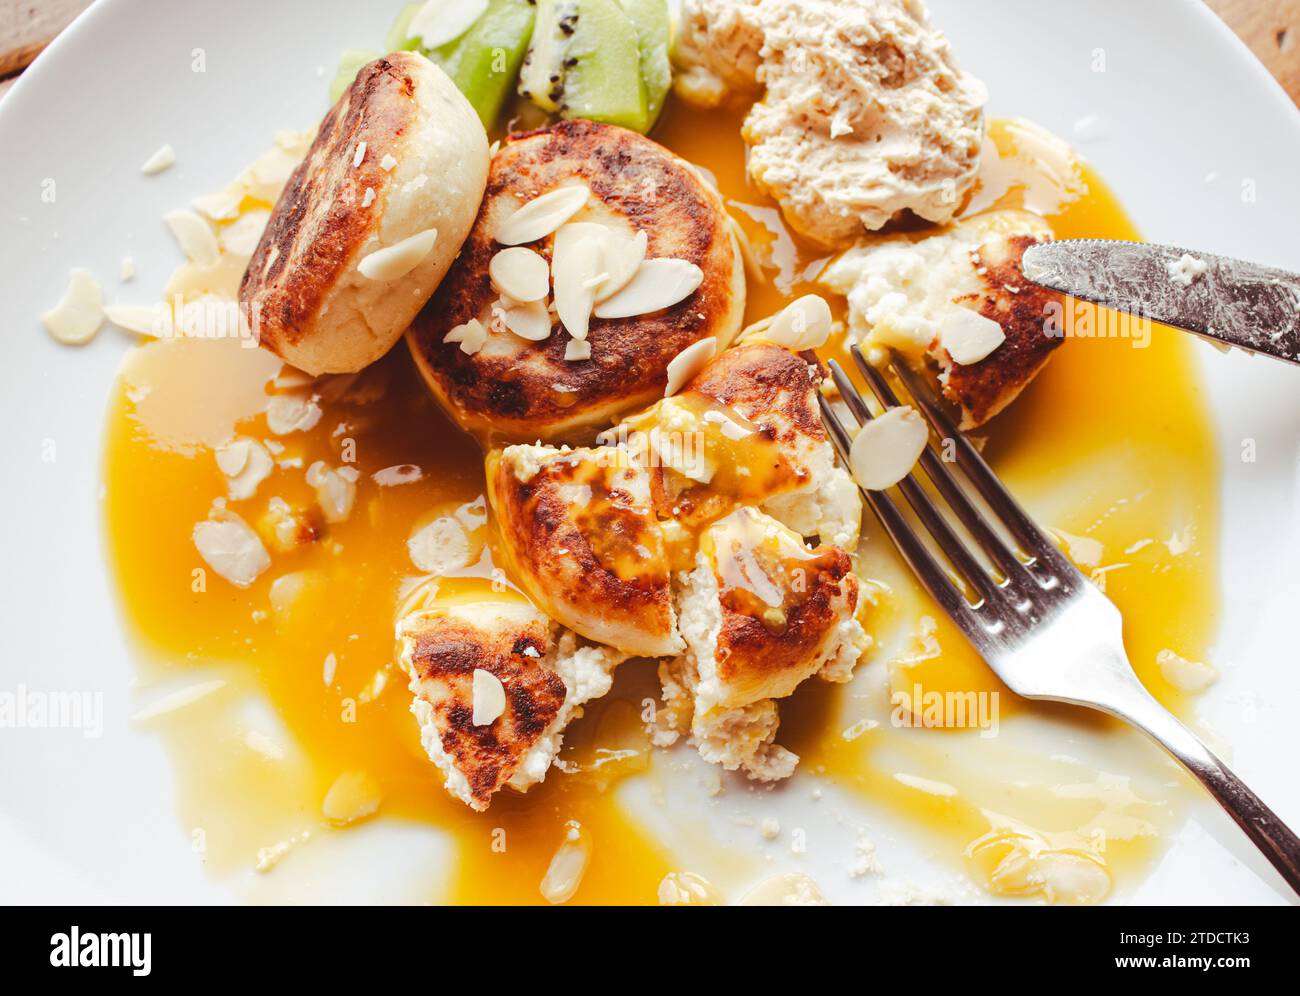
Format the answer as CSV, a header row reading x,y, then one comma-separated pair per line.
x,y
1033,540
930,573
951,544
948,487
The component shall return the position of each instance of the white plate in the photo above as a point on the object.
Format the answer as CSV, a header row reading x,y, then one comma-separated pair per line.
x,y
1180,121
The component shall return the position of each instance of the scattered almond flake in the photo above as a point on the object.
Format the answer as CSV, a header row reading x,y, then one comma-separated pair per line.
x,y
621,255
402,473
574,261
250,465
260,743
336,490
687,889
542,215
163,159
568,865
1186,676
387,163
223,205
127,271
353,796
528,321
79,313
658,284
360,156
1186,270
804,323
520,274
791,889
559,388
399,259
840,124
968,336
375,687
770,828
577,349
240,238
489,697
440,547
293,412
471,336
194,236
368,197
857,729
142,319
177,700
289,528
886,449
230,547
440,21
329,668
683,367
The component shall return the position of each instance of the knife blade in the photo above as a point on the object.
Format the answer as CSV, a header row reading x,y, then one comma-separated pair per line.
x,y
1228,301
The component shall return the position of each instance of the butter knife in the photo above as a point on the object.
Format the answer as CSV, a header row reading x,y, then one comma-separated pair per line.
x,y
1228,301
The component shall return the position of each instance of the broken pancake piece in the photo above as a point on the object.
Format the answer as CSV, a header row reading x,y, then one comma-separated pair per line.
x,y
747,431
760,614
505,657
579,534
621,256
957,298
370,221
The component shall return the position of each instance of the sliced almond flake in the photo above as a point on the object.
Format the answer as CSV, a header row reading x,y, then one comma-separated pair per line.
x,y
441,21
804,323
577,349
886,449
295,412
194,235
247,464
528,321
360,156
127,270
336,491
163,159
399,259
79,313
471,336
353,796
177,700
141,319
658,284
368,197
542,215
622,259
968,336
223,205
568,865
575,260
387,163
683,367
489,697
231,548
402,473
240,238
520,274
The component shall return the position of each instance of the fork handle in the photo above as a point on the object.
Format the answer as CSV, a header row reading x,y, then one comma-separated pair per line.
x,y
1275,839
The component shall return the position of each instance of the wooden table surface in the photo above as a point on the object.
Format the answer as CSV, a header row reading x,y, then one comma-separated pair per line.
x,y
1270,27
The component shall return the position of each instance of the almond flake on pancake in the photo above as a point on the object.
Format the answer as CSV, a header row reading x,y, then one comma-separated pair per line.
x,y
576,350
399,259
683,367
574,263
658,284
530,321
542,215
969,336
489,697
471,336
520,273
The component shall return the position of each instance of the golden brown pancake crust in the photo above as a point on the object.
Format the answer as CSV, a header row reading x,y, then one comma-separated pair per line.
x,y
444,655
516,396
318,224
594,562
983,389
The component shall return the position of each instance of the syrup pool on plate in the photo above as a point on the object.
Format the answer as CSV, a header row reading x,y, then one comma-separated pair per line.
x,y
288,719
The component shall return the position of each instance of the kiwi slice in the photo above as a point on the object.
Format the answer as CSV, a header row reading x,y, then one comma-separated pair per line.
x,y
653,33
541,79
484,62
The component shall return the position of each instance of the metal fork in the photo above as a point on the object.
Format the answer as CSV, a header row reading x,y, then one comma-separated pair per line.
x,y
1044,629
